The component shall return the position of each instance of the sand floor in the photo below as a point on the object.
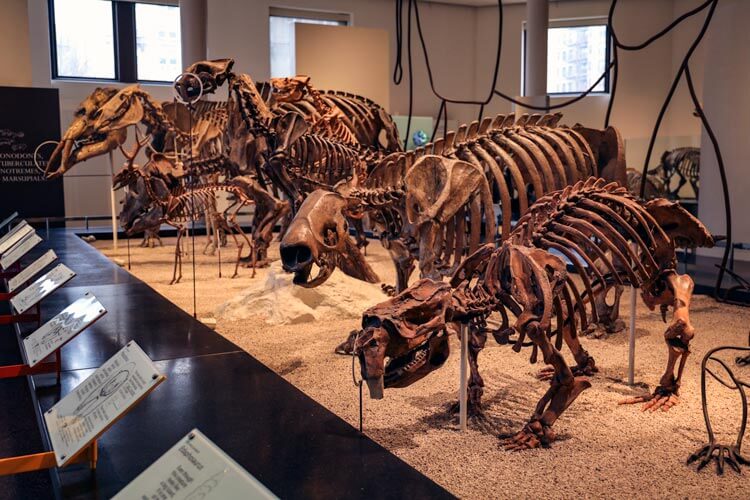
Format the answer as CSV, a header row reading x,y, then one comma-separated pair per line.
x,y
603,450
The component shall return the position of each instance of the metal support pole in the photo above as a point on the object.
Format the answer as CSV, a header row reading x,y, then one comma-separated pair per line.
x,y
112,199
631,340
463,368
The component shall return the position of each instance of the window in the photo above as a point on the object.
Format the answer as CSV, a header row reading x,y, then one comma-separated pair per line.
x,y
122,40
577,56
281,28
77,23
581,52
151,48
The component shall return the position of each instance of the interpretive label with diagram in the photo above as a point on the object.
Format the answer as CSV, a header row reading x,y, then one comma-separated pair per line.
x,y
100,400
195,468
58,331
14,236
32,270
43,286
22,248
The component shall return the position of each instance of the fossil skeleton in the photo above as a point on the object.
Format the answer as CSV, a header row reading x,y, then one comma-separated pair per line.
x,y
149,204
426,208
524,278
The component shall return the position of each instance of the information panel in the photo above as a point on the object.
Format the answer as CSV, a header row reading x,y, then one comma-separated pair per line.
x,y
32,270
58,331
43,286
100,400
195,468
17,234
30,116
18,251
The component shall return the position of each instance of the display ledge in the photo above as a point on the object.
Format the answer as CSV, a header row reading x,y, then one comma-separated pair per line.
x,y
288,441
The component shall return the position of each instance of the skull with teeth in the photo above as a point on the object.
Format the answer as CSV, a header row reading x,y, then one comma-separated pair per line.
x,y
405,338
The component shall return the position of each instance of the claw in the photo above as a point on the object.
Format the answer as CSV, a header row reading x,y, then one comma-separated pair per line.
x,y
721,454
661,399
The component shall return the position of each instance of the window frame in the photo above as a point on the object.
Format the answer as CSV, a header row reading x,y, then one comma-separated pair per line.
x,y
124,44
581,22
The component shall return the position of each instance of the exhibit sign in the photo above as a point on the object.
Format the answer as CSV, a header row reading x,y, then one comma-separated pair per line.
x,y
32,270
195,468
30,117
100,400
22,248
8,220
14,236
58,331
43,286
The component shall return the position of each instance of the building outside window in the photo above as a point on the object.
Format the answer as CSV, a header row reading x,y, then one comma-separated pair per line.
x,y
281,30
577,56
118,40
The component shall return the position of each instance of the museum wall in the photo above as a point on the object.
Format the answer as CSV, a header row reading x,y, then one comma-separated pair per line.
x,y
727,105
14,38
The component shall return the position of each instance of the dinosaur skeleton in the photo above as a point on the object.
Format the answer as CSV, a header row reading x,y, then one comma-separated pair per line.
x,y
523,278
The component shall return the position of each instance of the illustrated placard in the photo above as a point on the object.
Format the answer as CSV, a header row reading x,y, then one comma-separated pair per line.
x,y
14,236
22,248
195,468
43,286
32,270
8,220
58,331
100,400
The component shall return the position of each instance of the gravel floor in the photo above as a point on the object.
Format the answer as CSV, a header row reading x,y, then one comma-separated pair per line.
x,y
603,450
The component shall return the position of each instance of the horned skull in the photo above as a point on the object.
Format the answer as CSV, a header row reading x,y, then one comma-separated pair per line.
x,y
83,140
409,330
319,235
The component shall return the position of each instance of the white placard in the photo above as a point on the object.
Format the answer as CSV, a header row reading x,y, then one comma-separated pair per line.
x,y
8,219
19,250
43,286
58,331
99,401
195,469
32,270
17,234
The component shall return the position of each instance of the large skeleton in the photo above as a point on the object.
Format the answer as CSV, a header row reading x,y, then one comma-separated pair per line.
x,y
424,202
523,278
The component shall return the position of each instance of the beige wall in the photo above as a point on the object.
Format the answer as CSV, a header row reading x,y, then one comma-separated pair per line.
x,y
726,102
15,59
240,30
367,76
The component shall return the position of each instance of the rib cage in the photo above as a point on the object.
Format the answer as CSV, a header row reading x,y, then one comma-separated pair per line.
x,y
192,204
523,160
589,221
316,161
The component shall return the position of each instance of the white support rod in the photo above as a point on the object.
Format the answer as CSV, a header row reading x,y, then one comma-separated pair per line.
x,y
631,340
463,369
631,347
112,202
